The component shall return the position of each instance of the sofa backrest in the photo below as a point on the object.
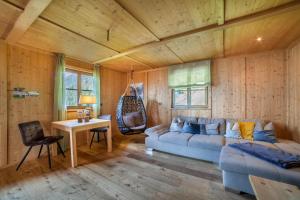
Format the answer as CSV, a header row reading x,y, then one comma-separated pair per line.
x,y
202,120
257,122
221,121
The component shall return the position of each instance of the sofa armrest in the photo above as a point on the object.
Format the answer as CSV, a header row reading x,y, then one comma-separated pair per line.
x,y
157,130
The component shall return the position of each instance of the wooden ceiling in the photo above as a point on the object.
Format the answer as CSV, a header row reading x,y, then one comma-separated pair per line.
x,y
145,34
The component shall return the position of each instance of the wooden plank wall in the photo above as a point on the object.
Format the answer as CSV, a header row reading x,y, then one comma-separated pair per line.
x,y
113,84
3,103
228,87
246,86
32,71
293,91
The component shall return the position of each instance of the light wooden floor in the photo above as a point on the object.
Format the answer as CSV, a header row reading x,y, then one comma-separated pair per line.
x,y
127,173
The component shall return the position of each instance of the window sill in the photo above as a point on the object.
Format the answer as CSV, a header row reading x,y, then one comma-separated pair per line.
x,y
192,108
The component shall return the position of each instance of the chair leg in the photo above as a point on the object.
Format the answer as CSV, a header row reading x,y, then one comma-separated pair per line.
x,y
92,139
60,149
29,149
49,158
98,137
104,134
40,151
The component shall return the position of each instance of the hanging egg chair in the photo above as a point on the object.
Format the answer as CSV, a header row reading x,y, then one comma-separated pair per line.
x,y
131,113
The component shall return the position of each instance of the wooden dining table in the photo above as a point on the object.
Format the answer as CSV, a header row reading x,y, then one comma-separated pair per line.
x,y
72,127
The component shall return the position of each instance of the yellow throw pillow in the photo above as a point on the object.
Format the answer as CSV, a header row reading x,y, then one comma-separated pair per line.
x,y
247,129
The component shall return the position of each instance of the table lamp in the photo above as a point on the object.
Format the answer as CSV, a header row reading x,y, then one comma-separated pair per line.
x,y
87,100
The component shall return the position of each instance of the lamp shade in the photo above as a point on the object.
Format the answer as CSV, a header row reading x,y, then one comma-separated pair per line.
x,y
84,99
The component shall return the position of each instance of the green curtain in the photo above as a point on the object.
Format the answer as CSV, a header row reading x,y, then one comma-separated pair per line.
x,y
59,109
96,75
189,74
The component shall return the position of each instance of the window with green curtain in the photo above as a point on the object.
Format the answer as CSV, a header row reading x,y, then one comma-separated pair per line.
x,y
189,74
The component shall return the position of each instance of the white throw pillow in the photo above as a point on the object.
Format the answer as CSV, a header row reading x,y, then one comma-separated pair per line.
x,y
269,127
234,131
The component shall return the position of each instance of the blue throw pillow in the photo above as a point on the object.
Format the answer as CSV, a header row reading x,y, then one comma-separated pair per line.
x,y
266,136
202,129
191,128
212,129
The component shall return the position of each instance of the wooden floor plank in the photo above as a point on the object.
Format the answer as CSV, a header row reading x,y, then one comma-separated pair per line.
x,y
128,173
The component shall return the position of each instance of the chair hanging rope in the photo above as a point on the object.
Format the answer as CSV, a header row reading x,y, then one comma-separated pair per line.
x,y
131,113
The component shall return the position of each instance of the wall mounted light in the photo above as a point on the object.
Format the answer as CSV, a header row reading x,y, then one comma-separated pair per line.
x,y
259,39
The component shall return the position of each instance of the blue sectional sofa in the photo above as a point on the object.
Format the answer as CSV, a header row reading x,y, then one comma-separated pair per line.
x,y
236,165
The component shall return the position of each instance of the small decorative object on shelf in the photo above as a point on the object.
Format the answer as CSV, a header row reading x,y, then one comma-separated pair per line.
x,y
80,116
87,115
21,93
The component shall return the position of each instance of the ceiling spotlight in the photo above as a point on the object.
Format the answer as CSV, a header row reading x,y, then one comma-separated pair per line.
x,y
259,39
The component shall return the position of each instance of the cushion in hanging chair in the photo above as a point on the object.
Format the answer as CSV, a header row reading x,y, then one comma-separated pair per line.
x,y
138,127
133,119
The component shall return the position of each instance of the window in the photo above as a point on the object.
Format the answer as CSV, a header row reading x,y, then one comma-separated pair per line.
x,y
191,97
77,83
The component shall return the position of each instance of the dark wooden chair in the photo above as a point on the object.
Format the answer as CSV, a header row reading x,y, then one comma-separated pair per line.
x,y
100,130
33,135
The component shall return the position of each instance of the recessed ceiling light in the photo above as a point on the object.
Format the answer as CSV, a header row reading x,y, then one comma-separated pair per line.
x,y
259,39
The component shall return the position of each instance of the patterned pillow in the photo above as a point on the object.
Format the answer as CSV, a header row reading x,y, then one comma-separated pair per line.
x,y
176,125
233,130
212,129
192,128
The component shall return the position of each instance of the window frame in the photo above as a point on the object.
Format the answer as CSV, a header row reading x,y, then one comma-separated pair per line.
x,y
79,73
189,98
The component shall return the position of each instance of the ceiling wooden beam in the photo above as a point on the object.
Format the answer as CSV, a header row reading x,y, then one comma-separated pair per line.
x,y
55,24
31,12
213,27
140,62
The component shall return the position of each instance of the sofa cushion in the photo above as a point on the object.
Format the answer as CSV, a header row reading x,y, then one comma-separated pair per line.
x,y
202,129
247,129
176,124
220,121
236,161
176,138
192,128
266,136
233,130
212,142
258,123
156,131
133,119
212,129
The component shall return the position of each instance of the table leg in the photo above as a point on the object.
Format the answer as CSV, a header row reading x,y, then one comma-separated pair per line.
x,y
53,146
109,138
88,137
73,147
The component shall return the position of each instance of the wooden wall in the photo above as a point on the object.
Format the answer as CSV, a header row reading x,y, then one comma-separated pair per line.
x,y
34,70
113,84
3,103
247,86
293,90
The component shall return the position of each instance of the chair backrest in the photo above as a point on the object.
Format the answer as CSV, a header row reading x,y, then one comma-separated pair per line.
x,y
107,117
31,131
